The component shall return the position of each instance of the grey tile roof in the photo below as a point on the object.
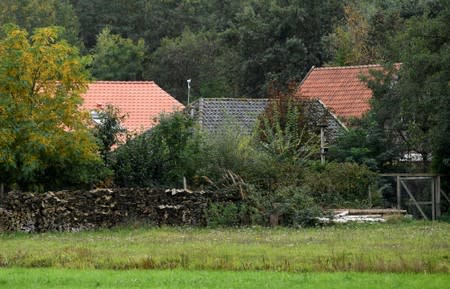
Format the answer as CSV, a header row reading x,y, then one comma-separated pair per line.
x,y
216,114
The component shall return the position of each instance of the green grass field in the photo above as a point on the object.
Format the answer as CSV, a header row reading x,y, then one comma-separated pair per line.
x,y
404,247
63,278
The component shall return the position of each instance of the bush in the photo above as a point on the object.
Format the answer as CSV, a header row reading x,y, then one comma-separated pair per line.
x,y
132,163
223,215
232,151
339,184
162,156
290,204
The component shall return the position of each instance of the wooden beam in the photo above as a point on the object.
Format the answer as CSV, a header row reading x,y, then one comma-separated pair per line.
x,y
414,200
445,196
417,178
399,193
437,191
433,199
411,175
422,203
375,211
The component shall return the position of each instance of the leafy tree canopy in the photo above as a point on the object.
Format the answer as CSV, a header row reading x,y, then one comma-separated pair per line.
x,y
117,58
44,141
32,14
197,56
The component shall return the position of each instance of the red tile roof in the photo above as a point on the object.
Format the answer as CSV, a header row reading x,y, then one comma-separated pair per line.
x,y
339,88
142,101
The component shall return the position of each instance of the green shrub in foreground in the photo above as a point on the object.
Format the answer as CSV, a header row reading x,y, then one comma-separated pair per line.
x,y
339,184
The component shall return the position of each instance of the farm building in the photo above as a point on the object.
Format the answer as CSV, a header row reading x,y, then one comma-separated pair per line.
x,y
141,101
215,114
341,89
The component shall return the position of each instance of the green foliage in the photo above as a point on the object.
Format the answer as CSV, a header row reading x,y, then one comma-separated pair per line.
x,y
116,58
349,43
234,48
274,156
133,163
366,34
287,132
199,57
279,41
366,144
230,150
352,146
339,184
226,215
44,139
295,207
410,104
108,129
151,20
423,89
161,156
32,14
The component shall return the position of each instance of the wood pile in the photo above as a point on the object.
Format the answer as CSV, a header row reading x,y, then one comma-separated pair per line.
x,y
103,208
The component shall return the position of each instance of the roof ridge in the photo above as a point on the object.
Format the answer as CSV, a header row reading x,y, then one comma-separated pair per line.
x,y
231,98
122,81
347,67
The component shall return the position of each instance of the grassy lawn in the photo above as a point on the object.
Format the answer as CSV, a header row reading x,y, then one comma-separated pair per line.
x,y
406,247
64,278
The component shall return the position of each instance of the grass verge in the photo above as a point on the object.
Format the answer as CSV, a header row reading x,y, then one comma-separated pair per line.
x,y
412,247
64,278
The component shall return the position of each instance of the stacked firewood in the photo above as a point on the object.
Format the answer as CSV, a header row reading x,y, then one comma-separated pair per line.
x,y
103,208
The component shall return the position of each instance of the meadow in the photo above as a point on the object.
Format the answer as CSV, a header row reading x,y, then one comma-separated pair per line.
x,y
168,279
416,247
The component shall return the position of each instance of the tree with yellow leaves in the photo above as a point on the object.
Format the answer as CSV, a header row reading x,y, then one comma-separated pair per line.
x,y
45,142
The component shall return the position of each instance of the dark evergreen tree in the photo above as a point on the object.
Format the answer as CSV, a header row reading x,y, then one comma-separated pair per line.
x,y
117,58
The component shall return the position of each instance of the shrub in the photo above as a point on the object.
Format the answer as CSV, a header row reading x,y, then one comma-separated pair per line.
x,y
339,184
222,214
132,163
162,156
232,151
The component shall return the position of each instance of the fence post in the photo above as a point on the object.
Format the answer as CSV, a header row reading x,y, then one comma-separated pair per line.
x,y
433,198
437,189
398,193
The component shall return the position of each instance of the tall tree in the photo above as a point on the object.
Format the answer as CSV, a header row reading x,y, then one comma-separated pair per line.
x,y
116,58
151,20
414,103
279,41
199,57
44,140
349,43
31,14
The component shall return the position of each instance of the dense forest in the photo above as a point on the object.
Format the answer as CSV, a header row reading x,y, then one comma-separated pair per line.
x,y
228,48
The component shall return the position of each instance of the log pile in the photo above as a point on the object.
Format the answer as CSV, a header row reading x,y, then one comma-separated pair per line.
x,y
103,208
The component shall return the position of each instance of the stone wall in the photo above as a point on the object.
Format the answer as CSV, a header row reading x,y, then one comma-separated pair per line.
x,y
103,208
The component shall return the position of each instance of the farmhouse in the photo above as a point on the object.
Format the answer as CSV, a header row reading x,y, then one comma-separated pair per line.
x,y
141,101
340,89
